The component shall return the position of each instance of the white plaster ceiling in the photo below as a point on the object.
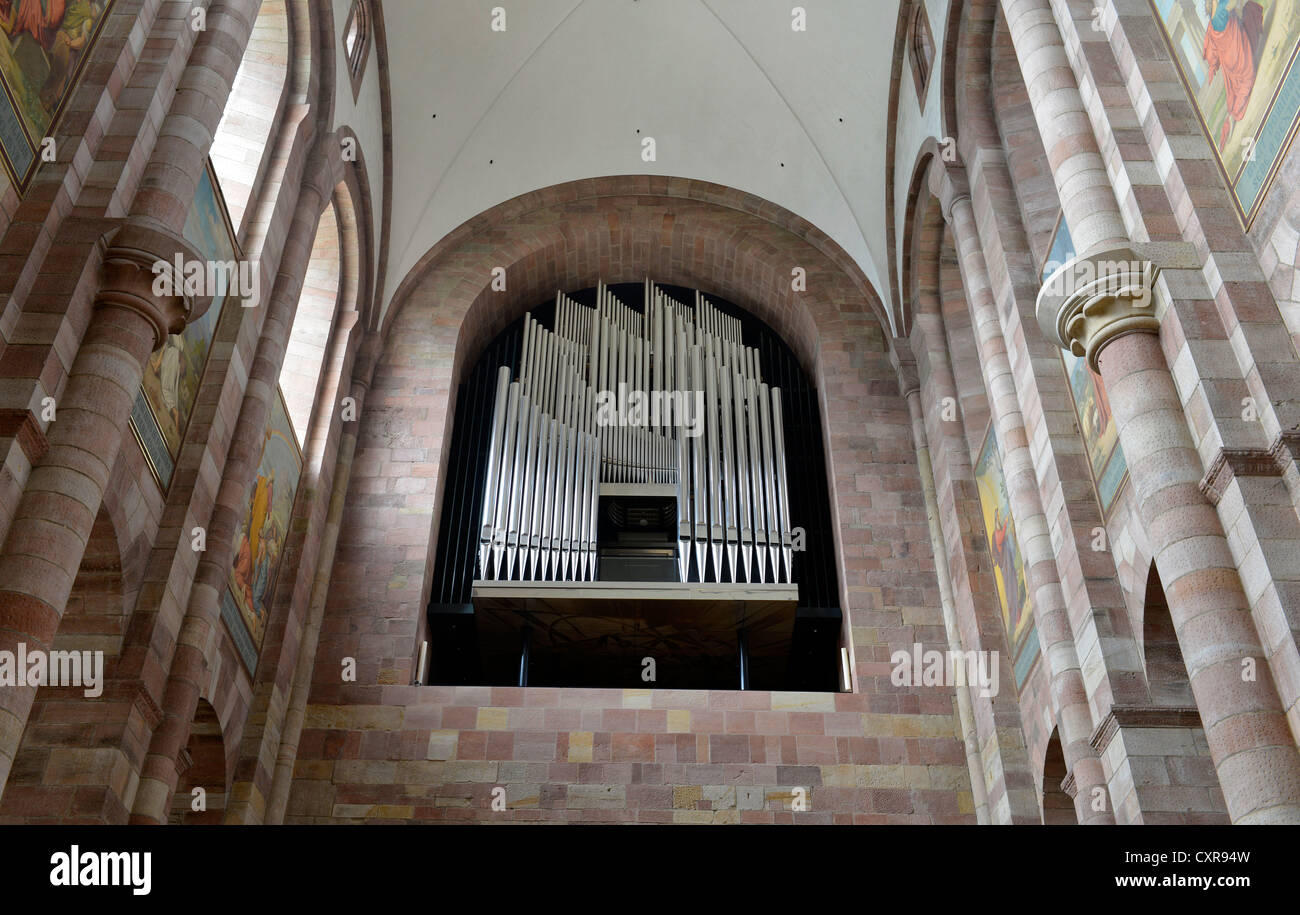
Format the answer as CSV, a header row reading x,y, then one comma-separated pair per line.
x,y
727,88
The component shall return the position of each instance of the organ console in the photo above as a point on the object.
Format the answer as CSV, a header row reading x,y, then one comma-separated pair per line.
x,y
614,418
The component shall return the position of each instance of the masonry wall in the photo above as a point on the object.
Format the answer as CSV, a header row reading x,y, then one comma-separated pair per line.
x,y
82,760
299,742
676,232
646,756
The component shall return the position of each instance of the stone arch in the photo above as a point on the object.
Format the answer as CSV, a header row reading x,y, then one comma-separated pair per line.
x,y
946,66
204,762
554,203
968,98
97,612
906,11
63,731
337,283
615,229
922,236
1162,657
1058,806
293,49
356,225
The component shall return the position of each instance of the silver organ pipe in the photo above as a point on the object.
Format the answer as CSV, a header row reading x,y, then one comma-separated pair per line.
x,y
699,487
743,477
715,472
769,483
782,488
756,481
506,478
668,397
487,537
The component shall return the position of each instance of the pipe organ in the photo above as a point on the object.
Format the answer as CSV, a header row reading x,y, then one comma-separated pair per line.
x,y
667,402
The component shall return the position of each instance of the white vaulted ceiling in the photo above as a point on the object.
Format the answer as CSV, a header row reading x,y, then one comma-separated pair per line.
x,y
726,88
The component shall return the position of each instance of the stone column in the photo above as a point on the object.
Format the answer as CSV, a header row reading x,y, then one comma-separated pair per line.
x,y
1103,308
1078,169
176,165
188,673
282,780
1051,617
965,713
47,537
1008,773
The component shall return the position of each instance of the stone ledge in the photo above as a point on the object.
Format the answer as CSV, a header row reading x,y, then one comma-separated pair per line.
x,y
1248,462
1141,716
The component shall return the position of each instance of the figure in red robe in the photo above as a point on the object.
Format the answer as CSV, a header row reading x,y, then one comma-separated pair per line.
x,y
40,18
1232,43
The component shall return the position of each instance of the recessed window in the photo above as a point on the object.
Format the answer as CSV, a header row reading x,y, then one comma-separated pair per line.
x,y
921,43
356,42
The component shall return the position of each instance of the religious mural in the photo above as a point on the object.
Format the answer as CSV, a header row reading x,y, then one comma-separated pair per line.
x,y
1008,566
43,45
261,537
173,373
1091,405
1237,59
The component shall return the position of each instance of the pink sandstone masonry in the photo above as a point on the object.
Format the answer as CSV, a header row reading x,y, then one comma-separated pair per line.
x,y
648,756
1136,710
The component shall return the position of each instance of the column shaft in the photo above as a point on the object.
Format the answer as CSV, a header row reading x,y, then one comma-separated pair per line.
x,y
1245,725
1069,695
1082,183
47,538
186,679
965,714
48,535
282,781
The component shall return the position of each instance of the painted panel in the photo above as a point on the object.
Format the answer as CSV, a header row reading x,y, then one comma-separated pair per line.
x,y
260,540
1237,60
174,373
1091,405
44,45
1008,566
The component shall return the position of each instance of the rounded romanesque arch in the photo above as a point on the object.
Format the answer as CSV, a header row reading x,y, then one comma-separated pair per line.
x,y
690,231
617,230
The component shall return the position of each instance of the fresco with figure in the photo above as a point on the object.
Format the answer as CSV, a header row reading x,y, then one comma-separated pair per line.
x,y
173,374
1237,59
43,47
1091,405
1008,567
261,537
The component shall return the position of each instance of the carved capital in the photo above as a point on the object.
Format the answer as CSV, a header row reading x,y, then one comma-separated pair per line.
x,y
144,272
904,363
1097,298
949,185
